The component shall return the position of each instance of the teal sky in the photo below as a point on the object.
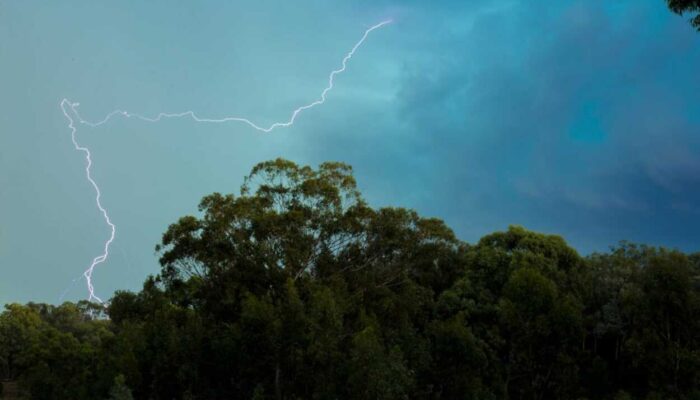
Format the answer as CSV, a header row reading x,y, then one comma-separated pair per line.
x,y
574,117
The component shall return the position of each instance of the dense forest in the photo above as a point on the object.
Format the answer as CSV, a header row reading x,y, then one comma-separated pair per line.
x,y
298,289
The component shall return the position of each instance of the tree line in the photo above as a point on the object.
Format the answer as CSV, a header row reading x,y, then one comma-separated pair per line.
x,y
298,289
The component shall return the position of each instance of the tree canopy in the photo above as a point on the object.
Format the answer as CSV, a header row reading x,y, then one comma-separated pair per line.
x,y
297,289
691,7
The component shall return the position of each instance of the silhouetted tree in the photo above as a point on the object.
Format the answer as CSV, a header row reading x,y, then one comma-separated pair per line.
x,y
691,7
297,289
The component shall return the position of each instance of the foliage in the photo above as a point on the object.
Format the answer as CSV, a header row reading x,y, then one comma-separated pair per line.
x,y
297,289
687,6
120,391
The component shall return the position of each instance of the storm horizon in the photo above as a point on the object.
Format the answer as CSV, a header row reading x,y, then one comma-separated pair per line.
x,y
575,118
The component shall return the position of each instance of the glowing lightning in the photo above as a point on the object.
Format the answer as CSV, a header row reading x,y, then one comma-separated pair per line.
x,y
66,105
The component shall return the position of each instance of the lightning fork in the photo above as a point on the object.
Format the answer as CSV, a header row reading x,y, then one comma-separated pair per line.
x,y
70,110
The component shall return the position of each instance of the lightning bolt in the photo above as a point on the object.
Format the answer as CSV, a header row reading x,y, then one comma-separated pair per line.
x,y
70,110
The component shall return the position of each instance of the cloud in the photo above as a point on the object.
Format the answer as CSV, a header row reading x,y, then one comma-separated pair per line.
x,y
531,111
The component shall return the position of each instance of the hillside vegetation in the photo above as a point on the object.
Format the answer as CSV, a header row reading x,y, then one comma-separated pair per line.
x,y
297,289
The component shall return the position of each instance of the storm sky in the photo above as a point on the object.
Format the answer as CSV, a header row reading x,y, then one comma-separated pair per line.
x,y
580,118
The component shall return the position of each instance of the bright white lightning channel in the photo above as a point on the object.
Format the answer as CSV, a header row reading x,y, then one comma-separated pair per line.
x,y
70,111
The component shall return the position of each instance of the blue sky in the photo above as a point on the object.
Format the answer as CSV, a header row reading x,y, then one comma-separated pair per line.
x,y
580,118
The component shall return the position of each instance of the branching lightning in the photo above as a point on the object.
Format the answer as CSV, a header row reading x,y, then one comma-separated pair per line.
x,y
70,111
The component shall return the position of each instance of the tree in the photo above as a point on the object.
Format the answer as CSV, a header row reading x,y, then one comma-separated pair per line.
x,y
294,255
120,391
298,289
19,330
377,372
687,6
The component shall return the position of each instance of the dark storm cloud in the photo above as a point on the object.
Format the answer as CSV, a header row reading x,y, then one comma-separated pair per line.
x,y
580,119
574,117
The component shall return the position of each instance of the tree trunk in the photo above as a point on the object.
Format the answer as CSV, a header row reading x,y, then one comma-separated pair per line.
x,y
278,389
